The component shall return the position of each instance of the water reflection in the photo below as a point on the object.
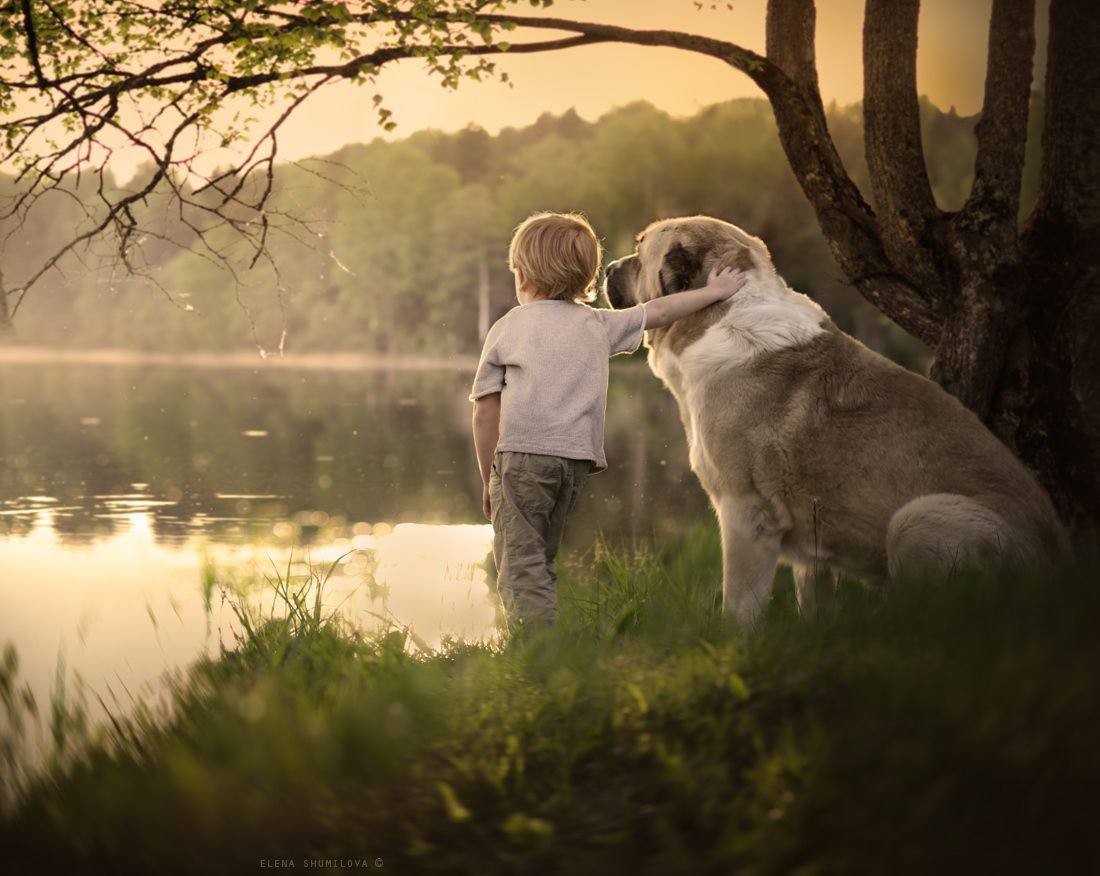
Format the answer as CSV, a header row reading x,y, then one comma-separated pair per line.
x,y
125,609
233,452
118,482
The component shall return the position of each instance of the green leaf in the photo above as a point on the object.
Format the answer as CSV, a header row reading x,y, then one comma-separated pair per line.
x,y
451,804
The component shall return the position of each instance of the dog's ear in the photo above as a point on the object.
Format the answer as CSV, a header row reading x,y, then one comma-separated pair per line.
x,y
737,256
679,269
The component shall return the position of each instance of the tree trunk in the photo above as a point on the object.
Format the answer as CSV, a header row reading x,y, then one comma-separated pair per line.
x,y
483,302
1048,404
5,311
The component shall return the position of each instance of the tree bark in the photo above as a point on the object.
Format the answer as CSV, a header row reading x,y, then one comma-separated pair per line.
x,y
990,295
906,209
1048,406
849,224
1002,129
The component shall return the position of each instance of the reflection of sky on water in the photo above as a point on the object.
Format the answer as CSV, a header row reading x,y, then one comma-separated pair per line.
x,y
116,481
124,609
231,452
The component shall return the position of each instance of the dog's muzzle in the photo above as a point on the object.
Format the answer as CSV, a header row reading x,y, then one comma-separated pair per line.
x,y
619,280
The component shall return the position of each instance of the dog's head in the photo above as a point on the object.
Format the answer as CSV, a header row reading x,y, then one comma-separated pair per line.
x,y
678,254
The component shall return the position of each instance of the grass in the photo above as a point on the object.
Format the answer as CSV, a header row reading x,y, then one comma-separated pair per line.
x,y
924,729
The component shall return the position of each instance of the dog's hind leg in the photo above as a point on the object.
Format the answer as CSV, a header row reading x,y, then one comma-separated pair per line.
x,y
750,550
937,535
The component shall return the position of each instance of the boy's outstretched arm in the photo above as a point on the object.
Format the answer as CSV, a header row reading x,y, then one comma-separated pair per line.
x,y
665,310
486,433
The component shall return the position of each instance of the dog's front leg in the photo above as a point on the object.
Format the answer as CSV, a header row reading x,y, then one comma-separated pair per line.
x,y
750,550
815,585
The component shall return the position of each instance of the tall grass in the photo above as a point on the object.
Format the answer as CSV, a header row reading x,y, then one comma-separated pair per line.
x,y
924,729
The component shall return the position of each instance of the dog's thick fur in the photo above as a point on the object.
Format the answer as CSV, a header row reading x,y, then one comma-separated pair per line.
x,y
812,447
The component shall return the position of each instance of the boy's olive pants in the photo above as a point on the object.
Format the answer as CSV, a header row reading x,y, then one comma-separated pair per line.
x,y
531,495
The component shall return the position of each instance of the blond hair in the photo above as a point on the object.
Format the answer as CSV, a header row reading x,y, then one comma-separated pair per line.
x,y
558,253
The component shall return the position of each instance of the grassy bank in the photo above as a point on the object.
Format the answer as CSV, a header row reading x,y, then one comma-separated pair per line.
x,y
946,729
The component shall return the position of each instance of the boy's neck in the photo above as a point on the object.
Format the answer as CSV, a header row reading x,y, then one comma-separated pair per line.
x,y
526,297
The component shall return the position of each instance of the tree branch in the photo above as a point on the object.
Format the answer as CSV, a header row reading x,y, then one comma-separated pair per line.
x,y
846,219
1002,130
1067,213
789,37
891,130
982,238
748,62
32,41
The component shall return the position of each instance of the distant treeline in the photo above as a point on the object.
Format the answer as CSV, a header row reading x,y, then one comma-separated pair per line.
x,y
408,237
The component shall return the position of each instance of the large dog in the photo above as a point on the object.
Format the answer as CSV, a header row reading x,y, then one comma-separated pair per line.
x,y
812,447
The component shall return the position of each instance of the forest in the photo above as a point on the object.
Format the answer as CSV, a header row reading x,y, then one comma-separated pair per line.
x,y
399,247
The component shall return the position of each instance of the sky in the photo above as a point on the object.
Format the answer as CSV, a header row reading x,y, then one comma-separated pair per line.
x,y
952,42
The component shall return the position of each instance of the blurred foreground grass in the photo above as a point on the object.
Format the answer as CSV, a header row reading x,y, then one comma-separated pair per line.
x,y
917,730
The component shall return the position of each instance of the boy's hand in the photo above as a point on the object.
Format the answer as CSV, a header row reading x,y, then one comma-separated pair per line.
x,y
725,283
486,433
666,309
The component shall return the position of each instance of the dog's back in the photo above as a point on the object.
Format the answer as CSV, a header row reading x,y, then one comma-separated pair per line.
x,y
863,438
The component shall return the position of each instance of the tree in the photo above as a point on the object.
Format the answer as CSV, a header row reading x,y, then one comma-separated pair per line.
x,y
1009,309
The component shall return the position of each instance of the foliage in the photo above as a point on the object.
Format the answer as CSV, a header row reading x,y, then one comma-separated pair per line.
x,y
401,229
82,79
943,728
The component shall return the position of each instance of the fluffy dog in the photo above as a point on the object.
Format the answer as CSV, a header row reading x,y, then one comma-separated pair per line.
x,y
812,447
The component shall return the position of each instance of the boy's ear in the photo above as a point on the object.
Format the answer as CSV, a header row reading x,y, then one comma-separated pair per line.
x,y
679,269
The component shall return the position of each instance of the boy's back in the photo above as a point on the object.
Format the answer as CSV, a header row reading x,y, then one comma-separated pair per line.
x,y
549,361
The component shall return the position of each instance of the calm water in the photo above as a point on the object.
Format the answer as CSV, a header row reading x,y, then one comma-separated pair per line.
x,y
120,483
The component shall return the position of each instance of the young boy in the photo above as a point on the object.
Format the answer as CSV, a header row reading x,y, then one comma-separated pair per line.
x,y
540,393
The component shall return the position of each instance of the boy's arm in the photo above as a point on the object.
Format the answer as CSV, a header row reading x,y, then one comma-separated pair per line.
x,y
486,432
665,310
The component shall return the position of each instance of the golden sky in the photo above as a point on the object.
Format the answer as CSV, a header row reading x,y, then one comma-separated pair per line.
x,y
950,70
593,79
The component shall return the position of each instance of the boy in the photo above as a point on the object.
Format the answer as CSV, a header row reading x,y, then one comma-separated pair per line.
x,y
539,397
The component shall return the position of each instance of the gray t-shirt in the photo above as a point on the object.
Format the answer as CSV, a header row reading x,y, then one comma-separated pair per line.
x,y
548,361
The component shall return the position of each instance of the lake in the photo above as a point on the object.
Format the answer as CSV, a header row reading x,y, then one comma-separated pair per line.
x,y
120,483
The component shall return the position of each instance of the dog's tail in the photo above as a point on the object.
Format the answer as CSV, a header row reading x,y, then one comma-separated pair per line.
x,y
937,535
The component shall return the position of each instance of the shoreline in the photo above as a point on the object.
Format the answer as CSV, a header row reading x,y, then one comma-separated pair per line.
x,y
243,359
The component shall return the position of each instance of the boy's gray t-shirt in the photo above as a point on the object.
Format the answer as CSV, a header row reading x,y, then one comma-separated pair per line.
x,y
549,362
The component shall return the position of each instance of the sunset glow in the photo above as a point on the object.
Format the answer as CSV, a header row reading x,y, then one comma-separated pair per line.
x,y
594,79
